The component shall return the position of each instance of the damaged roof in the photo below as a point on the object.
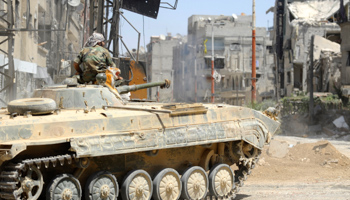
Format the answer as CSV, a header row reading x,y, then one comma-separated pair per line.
x,y
316,10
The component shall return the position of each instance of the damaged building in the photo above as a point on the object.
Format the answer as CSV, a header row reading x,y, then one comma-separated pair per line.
x,y
327,65
344,22
295,22
46,35
160,64
233,61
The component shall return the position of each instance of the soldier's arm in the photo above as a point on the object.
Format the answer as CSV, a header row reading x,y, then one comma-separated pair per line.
x,y
77,62
109,60
77,68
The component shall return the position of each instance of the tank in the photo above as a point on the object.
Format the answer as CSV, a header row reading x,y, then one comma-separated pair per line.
x,y
86,142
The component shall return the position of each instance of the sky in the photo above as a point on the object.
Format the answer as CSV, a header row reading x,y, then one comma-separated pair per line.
x,y
175,21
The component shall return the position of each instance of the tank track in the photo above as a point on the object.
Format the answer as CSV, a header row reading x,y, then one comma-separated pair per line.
x,y
10,177
245,168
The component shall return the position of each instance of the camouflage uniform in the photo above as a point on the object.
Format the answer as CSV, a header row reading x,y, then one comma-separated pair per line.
x,y
94,59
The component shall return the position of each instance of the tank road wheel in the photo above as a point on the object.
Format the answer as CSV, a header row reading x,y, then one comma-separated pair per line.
x,y
167,185
137,186
31,184
248,150
64,187
101,185
194,183
221,180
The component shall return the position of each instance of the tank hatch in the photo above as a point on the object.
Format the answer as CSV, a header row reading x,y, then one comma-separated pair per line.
x,y
186,109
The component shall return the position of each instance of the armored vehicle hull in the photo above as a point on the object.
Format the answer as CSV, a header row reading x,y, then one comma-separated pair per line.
x,y
95,146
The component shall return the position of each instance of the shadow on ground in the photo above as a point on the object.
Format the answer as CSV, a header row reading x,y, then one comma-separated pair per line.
x,y
241,196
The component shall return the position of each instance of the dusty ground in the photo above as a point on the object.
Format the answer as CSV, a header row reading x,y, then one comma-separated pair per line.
x,y
312,169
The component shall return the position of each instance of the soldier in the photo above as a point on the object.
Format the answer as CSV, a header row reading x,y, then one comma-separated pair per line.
x,y
94,57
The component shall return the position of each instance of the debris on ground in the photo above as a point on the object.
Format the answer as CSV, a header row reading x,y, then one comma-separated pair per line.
x,y
340,123
308,162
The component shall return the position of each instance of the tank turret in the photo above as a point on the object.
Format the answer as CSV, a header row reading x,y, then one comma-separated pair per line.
x,y
128,88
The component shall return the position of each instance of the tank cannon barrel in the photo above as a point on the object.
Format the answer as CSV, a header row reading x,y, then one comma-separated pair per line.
x,y
127,88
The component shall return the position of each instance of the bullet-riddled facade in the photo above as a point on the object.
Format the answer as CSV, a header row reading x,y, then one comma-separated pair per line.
x,y
53,35
233,61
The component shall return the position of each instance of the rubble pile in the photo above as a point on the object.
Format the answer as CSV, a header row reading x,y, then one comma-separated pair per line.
x,y
332,124
321,153
301,162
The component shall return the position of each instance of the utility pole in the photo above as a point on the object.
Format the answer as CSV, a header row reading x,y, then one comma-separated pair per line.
x,y
311,77
279,59
212,62
253,58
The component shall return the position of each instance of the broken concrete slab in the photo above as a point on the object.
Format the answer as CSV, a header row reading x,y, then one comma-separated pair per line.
x,y
341,123
323,44
278,149
328,131
313,10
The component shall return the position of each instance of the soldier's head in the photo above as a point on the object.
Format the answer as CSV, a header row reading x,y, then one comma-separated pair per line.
x,y
102,44
95,39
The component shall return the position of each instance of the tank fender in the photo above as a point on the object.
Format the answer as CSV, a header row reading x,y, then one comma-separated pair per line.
x,y
8,152
253,140
268,126
257,136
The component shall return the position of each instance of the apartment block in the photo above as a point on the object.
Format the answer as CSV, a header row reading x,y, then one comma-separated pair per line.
x,y
232,61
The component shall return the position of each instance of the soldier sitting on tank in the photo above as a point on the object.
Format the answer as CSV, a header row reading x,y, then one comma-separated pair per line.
x,y
94,58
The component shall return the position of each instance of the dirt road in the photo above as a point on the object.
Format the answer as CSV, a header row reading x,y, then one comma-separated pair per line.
x,y
305,191
312,169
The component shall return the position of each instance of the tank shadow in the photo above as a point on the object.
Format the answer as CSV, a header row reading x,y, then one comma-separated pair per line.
x,y
241,196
